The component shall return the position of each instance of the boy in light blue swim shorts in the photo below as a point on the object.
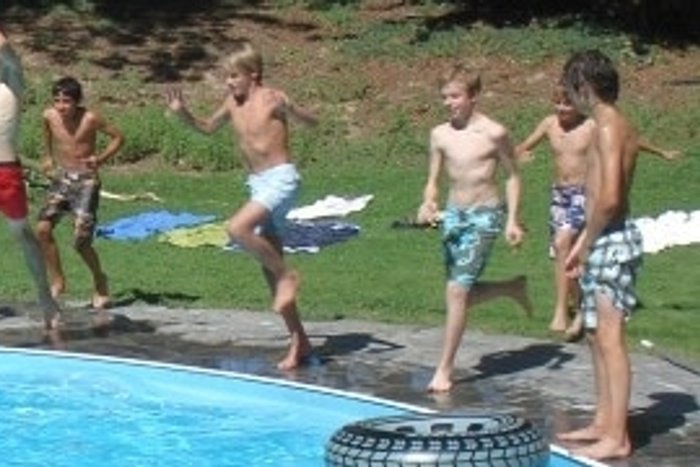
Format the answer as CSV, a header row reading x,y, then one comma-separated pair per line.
x,y
277,190
259,116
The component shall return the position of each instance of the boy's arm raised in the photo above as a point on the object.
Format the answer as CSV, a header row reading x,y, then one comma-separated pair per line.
x,y
302,114
176,105
523,151
667,154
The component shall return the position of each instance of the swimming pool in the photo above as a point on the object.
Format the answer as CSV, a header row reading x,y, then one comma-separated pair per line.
x,y
63,409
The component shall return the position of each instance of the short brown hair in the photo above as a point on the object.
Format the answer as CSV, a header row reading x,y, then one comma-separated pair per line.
x,y
245,57
459,73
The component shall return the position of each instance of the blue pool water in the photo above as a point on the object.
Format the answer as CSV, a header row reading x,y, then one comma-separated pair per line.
x,y
67,410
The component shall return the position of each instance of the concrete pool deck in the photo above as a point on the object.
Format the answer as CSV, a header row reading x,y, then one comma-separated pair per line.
x,y
546,381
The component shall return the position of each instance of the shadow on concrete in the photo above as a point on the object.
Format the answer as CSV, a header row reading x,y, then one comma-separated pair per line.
x,y
547,355
343,344
667,413
8,312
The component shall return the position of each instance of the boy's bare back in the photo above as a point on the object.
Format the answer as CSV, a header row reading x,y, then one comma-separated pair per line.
x,y
471,157
616,145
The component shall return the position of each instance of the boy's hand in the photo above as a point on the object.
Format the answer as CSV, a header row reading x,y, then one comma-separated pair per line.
x,y
428,213
47,168
93,162
175,102
672,155
514,234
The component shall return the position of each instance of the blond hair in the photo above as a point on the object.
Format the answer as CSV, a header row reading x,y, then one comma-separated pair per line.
x,y
243,57
459,73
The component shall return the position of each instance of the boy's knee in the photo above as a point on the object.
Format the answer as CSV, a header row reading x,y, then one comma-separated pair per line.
x,y
237,231
562,243
19,229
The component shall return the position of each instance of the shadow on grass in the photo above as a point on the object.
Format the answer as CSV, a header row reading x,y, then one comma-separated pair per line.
x,y
170,41
666,413
131,296
551,356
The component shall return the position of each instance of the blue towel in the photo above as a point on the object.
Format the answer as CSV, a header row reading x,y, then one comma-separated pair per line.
x,y
146,224
311,236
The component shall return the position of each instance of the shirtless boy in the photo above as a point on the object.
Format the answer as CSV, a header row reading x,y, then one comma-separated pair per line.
x,y
259,115
13,195
469,148
569,134
607,253
72,162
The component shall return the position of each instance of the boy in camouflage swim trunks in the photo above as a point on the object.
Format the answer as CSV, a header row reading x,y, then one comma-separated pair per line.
x,y
470,147
72,162
607,253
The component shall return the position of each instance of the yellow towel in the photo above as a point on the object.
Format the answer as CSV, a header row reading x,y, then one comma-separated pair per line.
x,y
213,234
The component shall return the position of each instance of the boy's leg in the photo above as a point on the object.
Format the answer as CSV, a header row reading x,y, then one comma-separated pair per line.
x,y
299,345
37,267
100,298
613,441
458,300
562,242
593,431
241,227
456,303
47,241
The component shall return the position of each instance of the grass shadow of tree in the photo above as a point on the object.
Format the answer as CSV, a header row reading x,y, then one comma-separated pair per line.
x,y
140,35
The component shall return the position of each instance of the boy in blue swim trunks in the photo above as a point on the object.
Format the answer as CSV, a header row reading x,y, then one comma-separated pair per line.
x,y
607,253
569,134
469,148
259,117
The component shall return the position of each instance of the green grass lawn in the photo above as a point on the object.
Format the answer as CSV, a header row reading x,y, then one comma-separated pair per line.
x,y
383,274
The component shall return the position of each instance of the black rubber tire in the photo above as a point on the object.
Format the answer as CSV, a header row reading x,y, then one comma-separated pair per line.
x,y
428,440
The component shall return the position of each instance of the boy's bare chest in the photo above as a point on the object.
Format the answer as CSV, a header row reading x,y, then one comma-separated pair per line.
x,y
470,147
72,132
573,143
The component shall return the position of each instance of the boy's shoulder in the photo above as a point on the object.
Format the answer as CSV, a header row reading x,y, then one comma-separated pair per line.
x,y
491,126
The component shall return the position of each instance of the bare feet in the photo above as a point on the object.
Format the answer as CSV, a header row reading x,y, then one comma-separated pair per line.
x,y
521,296
441,382
286,291
575,330
557,326
296,356
100,299
52,312
58,287
605,448
589,433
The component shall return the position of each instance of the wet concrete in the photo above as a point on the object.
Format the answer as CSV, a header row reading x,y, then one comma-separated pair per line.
x,y
547,382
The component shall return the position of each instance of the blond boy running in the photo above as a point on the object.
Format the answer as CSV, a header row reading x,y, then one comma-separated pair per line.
x,y
470,147
259,118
